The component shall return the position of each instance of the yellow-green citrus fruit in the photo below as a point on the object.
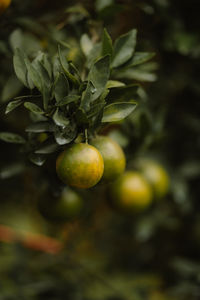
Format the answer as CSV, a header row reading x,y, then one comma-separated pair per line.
x,y
80,165
4,4
156,175
113,156
65,207
131,192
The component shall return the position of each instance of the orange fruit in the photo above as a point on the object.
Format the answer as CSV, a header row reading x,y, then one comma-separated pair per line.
x,y
131,192
113,156
4,4
80,165
156,175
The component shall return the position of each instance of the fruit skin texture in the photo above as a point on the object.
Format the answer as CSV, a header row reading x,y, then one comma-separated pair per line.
x,y
4,4
80,165
63,208
113,156
157,177
131,192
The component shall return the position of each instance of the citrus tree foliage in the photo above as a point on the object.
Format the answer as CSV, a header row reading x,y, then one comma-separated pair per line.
x,y
65,100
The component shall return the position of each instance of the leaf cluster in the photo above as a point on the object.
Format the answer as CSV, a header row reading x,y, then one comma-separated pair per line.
x,y
67,100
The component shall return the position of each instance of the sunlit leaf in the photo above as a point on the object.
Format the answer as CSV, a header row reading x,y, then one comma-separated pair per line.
x,y
117,111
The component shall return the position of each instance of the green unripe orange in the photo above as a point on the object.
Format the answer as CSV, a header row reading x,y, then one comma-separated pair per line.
x,y
113,156
80,165
131,192
67,206
156,175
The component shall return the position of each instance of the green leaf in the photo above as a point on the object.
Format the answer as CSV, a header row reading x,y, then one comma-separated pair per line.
x,y
68,99
114,83
86,44
61,89
12,138
11,88
12,105
122,93
81,118
48,148
107,48
97,79
117,111
11,170
43,58
102,4
37,159
60,119
124,48
45,81
66,135
33,108
86,97
137,74
41,126
16,39
34,75
139,58
24,40
94,54
20,66
65,66
96,111
40,69
57,68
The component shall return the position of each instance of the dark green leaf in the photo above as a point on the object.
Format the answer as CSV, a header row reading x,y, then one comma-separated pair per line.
x,y
68,99
11,138
45,81
11,88
99,75
45,62
117,111
124,48
122,93
48,148
37,159
57,68
61,88
12,105
86,96
81,118
96,111
137,74
60,119
20,66
33,107
34,75
97,79
107,48
139,58
11,170
66,135
65,66
40,69
41,127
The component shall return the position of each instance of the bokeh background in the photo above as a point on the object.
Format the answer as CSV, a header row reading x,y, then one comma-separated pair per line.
x,y
106,254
